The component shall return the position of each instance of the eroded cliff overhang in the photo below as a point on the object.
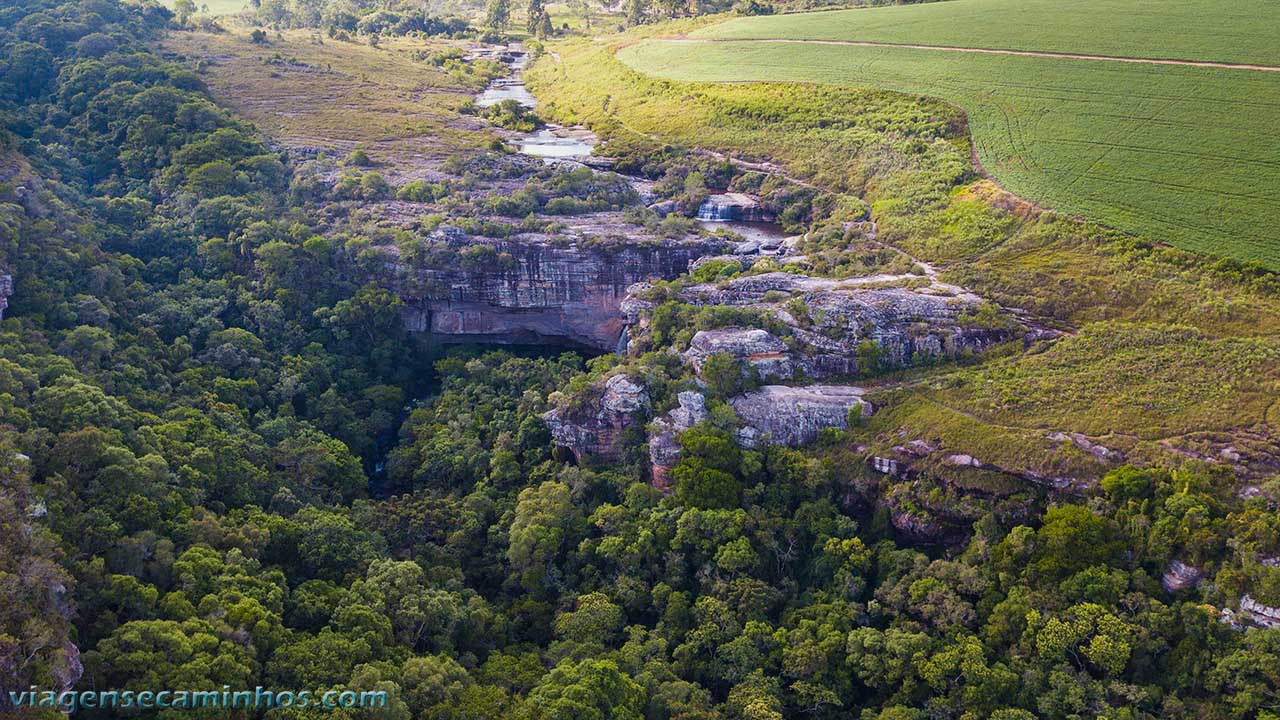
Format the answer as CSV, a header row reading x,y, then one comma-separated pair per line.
x,y
538,290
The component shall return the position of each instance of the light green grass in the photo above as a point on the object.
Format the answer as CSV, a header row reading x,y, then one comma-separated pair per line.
x,y
1189,156
1237,31
215,7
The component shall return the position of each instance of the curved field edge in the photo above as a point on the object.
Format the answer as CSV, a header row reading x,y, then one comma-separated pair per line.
x,y
1241,32
1183,154
1151,317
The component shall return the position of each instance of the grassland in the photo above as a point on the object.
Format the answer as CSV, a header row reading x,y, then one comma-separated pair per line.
x,y
1240,31
216,7
1185,155
320,95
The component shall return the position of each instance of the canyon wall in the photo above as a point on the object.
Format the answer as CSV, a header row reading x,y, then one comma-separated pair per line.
x,y
540,292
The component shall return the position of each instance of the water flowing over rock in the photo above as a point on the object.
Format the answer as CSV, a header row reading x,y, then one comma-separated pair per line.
x,y
733,207
537,291
793,416
592,427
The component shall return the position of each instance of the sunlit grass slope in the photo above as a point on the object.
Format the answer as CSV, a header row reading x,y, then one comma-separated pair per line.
x,y
1186,155
1238,31
216,7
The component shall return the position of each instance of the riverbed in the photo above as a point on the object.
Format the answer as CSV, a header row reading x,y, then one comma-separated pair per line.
x,y
556,143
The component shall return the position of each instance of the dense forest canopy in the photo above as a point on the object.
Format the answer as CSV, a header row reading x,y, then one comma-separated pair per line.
x,y
200,381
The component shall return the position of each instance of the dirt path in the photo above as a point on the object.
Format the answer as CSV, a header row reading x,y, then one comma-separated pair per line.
x,y
990,51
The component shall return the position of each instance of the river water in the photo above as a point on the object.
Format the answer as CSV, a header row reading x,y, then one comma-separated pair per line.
x,y
556,143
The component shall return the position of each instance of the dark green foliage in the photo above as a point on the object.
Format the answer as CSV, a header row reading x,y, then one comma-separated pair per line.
x,y
215,472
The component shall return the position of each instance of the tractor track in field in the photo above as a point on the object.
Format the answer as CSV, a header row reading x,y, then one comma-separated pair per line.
x,y
986,51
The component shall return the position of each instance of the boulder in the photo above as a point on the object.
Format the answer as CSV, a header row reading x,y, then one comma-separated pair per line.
x,y
1180,576
750,346
793,416
664,434
590,428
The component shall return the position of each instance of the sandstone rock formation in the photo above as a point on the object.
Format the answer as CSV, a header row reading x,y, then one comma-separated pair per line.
x,y
734,206
793,416
1181,576
591,427
6,289
664,445
533,289
753,347
906,324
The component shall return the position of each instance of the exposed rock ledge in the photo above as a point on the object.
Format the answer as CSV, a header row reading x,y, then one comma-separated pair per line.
x,y
907,325
793,416
592,428
773,414
6,289
534,289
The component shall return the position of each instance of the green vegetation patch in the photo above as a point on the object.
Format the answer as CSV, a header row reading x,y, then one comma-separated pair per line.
x,y
1148,382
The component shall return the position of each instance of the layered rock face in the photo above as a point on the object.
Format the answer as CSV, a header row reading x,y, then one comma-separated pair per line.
x,y
6,289
905,324
592,428
757,348
739,207
537,291
793,416
771,415
664,438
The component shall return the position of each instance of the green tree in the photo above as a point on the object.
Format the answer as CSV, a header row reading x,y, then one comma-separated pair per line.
x,y
538,531
588,690
704,475
184,9
497,14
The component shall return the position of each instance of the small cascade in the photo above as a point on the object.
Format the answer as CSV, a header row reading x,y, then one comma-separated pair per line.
x,y
712,211
733,207
623,340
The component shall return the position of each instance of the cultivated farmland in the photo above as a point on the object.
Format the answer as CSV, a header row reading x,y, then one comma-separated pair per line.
x,y
1187,155
1241,31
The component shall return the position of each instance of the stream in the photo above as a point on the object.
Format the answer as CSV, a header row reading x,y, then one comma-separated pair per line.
x,y
556,143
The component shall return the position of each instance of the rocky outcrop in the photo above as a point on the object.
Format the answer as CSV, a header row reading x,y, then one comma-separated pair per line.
x,y
534,289
664,444
830,320
6,289
754,348
793,416
1181,576
1259,614
910,459
733,206
592,426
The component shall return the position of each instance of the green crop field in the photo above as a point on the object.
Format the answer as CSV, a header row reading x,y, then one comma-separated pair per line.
x,y
1185,155
1237,31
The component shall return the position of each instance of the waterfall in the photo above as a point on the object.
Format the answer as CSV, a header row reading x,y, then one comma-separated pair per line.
x,y
623,340
712,211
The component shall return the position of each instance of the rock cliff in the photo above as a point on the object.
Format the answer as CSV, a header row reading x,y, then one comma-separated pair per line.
x,y
793,416
664,435
591,426
829,322
6,289
533,289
